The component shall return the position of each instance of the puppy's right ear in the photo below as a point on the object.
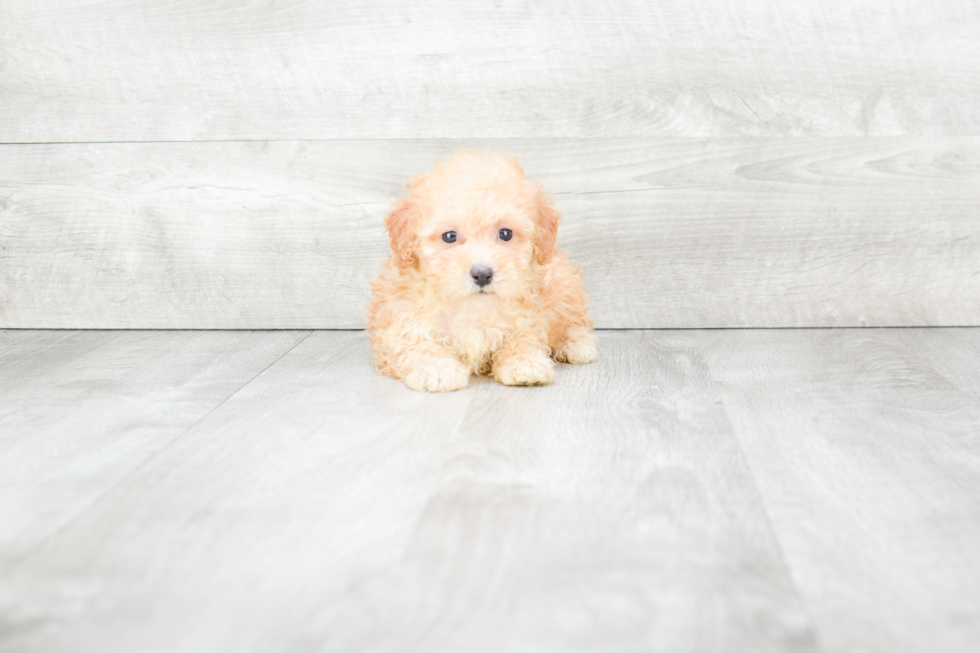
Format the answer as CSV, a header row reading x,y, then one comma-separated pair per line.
x,y
546,238
400,224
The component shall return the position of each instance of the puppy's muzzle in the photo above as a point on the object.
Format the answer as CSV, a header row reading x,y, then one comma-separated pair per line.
x,y
481,275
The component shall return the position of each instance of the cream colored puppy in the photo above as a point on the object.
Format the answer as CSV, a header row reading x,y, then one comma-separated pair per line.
x,y
474,283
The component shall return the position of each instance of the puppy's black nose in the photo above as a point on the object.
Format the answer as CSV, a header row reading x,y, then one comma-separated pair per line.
x,y
482,276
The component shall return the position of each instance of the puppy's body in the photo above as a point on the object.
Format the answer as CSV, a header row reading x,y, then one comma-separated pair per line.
x,y
474,283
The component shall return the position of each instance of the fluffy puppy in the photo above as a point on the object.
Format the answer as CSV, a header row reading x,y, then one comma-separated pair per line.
x,y
474,283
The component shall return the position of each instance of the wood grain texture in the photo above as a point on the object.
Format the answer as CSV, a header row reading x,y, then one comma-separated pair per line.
x,y
323,508
869,464
669,233
949,352
82,411
165,70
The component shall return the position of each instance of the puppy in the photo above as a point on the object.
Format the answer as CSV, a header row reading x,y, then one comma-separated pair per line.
x,y
474,283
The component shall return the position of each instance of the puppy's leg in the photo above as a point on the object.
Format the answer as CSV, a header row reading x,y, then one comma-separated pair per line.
x,y
424,366
524,361
567,307
431,368
578,346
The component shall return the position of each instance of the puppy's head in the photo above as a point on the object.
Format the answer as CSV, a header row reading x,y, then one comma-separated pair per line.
x,y
474,226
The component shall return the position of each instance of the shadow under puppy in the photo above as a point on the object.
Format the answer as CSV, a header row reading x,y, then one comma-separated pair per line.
x,y
474,283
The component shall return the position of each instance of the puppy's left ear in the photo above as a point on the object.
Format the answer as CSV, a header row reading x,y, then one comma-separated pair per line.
x,y
546,236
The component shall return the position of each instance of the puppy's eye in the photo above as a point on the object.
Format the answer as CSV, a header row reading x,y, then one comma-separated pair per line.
x,y
449,237
505,234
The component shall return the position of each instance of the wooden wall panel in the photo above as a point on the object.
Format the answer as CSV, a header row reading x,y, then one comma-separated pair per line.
x,y
81,71
740,232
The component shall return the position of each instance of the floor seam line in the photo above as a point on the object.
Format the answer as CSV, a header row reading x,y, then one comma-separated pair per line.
x,y
763,504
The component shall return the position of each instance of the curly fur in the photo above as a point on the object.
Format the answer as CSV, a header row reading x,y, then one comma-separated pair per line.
x,y
432,325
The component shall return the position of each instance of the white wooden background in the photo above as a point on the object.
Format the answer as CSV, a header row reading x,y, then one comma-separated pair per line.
x,y
227,164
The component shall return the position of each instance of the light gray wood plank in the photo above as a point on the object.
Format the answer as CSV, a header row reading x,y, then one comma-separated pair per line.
x,y
324,508
869,465
81,411
670,233
160,70
27,355
951,352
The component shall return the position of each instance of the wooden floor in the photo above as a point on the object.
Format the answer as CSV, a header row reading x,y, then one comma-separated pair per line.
x,y
761,490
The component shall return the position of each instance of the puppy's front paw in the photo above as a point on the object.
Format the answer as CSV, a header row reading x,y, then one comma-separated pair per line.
x,y
578,350
533,368
439,375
